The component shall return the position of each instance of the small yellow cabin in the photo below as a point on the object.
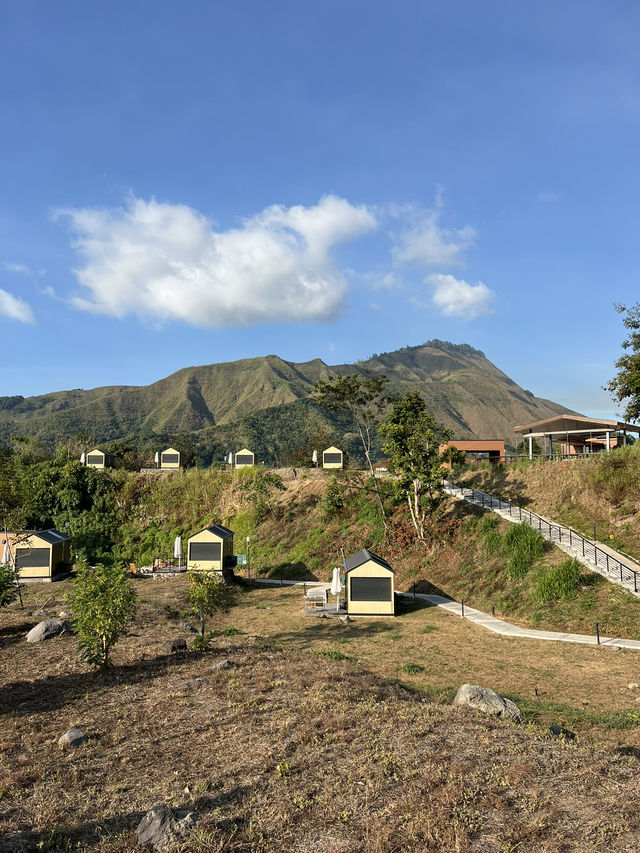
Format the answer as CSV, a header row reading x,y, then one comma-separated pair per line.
x,y
43,555
170,459
369,585
245,458
210,549
97,458
332,458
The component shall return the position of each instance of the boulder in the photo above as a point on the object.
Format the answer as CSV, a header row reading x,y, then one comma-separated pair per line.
x,y
162,828
225,663
47,629
487,700
72,738
179,644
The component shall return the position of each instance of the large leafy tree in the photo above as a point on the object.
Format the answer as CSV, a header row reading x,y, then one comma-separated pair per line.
x,y
626,383
365,399
412,440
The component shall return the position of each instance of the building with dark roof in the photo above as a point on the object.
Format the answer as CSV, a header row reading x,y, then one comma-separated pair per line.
x,y
369,582
210,549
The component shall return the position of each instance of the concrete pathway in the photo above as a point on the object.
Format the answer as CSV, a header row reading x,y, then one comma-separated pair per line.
x,y
492,623
600,558
506,629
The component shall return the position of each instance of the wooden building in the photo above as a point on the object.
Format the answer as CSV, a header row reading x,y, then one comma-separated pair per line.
x,y
210,549
97,458
43,555
369,585
332,457
244,458
170,459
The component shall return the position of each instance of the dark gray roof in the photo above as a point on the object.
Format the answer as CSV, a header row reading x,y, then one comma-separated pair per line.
x,y
364,556
219,530
51,536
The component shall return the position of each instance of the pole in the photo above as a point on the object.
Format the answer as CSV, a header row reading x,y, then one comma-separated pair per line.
x,y
598,633
462,609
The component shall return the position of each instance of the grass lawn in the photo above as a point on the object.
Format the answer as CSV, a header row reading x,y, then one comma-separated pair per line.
x,y
320,737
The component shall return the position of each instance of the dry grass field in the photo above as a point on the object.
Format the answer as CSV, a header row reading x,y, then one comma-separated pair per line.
x,y
319,737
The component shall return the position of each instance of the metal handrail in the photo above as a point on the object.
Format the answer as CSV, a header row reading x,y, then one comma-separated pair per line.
x,y
552,532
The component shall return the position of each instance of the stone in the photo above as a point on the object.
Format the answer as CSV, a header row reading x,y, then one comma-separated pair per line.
x,y
188,628
225,663
633,685
47,629
560,731
73,738
190,683
162,828
179,644
345,620
64,615
487,700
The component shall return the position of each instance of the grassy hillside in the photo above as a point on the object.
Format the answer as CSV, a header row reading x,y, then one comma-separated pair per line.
x,y
463,390
599,496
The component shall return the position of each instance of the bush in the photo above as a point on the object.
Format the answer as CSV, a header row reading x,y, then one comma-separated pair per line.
x,y
103,600
334,500
9,585
560,582
522,546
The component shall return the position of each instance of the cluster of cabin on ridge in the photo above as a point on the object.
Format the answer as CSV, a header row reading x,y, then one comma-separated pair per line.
x,y
171,459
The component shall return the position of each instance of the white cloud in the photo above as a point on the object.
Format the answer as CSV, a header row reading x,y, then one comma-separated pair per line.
x,y
457,298
167,261
426,243
548,197
15,308
17,268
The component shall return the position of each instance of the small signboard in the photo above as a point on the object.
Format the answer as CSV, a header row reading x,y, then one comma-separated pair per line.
x,y
241,559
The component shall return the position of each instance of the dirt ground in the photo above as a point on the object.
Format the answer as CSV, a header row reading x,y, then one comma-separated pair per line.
x,y
320,736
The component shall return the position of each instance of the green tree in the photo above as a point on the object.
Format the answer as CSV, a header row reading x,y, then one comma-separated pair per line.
x,y
412,440
626,383
9,585
207,595
102,600
365,398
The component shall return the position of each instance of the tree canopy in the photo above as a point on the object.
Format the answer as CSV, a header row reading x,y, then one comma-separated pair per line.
x,y
626,383
412,440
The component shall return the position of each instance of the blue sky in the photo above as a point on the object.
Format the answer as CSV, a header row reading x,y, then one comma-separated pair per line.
x,y
187,183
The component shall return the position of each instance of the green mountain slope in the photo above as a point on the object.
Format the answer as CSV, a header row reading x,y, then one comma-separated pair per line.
x,y
462,388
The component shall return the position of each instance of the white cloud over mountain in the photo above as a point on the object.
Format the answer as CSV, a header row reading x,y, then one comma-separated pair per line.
x,y
15,308
164,262
457,298
427,243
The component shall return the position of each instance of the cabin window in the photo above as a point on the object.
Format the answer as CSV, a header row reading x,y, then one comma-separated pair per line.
x,y
32,558
370,589
170,458
94,459
244,459
205,551
331,458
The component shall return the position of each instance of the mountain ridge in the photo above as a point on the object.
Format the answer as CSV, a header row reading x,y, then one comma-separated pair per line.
x,y
462,388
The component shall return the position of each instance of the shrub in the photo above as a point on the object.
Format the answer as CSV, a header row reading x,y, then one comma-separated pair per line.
x,y
207,594
333,501
103,600
522,546
560,582
9,585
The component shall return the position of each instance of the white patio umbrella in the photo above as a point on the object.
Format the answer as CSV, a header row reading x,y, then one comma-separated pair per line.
x,y
230,459
82,458
314,457
177,549
156,458
336,587
6,554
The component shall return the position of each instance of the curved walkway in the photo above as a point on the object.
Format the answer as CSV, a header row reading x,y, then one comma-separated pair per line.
x,y
506,629
492,623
